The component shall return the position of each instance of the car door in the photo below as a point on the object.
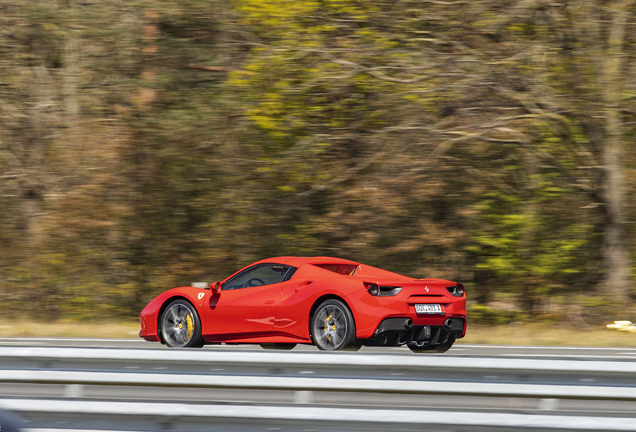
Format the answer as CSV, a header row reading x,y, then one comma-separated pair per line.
x,y
246,305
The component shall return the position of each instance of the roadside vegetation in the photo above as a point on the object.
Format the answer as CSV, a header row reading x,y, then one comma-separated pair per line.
x,y
27,328
516,333
148,144
547,334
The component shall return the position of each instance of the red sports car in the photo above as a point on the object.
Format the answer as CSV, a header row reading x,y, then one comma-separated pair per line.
x,y
332,303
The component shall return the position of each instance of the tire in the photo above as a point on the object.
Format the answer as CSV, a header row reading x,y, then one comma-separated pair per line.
x,y
181,326
354,346
333,327
439,348
278,346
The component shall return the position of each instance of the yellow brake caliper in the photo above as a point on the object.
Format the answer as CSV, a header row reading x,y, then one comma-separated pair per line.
x,y
327,325
190,326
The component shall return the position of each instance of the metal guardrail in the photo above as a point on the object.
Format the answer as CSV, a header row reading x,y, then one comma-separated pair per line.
x,y
331,360
354,372
322,384
384,419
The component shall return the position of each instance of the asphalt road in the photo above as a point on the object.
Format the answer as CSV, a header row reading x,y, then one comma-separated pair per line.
x,y
461,350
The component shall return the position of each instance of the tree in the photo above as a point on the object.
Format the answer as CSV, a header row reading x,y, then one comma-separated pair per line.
x,y
105,152
348,91
148,144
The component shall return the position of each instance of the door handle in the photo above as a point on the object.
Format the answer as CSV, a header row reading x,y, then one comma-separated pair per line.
x,y
303,284
269,302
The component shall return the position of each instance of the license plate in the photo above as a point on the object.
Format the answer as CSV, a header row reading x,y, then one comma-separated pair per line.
x,y
428,308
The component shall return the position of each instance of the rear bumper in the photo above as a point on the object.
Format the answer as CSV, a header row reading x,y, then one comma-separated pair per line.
x,y
400,331
370,312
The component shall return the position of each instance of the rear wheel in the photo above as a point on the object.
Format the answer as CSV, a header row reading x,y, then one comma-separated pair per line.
x,y
278,346
181,326
439,348
332,326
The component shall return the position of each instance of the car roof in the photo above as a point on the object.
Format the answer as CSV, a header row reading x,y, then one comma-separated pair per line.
x,y
298,261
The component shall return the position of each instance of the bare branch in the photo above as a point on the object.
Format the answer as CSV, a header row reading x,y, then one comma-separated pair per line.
x,y
10,158
379,75
383,77
487,139
348,173
14,112
442,3
12,176
215,69
582,187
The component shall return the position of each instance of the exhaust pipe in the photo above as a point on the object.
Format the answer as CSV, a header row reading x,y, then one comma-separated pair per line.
x,y
408,323
455,324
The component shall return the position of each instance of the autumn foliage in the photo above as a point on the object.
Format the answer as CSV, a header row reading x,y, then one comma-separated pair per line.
x,y
149,144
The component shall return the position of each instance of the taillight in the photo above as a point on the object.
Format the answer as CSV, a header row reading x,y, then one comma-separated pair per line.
x,y
456,290
372,289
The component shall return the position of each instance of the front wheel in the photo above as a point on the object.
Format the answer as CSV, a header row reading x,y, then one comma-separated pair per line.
x,y
332,326
181,326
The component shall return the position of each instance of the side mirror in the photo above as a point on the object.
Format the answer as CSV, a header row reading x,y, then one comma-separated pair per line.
x,y
215,287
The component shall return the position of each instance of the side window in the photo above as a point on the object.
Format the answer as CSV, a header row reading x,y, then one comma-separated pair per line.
x,y
261,274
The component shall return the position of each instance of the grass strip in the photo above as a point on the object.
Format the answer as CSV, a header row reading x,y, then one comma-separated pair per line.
x,y
513,334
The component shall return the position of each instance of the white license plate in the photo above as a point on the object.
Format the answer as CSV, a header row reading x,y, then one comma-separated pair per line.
x,y
428,308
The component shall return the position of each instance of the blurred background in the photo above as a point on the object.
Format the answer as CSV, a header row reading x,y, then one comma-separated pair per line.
x,y
149,144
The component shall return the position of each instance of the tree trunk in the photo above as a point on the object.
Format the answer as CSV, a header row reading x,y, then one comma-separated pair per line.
x,y
615,255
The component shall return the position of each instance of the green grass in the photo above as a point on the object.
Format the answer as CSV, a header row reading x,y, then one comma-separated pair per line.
x,y
513,334
70,329
547,335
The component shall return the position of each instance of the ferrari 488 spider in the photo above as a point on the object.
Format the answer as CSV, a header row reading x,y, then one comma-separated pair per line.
x,y
332,303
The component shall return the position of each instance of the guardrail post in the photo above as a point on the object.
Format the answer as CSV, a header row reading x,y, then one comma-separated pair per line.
x,y
303,396
548,404
74,390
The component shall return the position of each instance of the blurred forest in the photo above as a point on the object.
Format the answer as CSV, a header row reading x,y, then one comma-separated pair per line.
x,y
147,144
